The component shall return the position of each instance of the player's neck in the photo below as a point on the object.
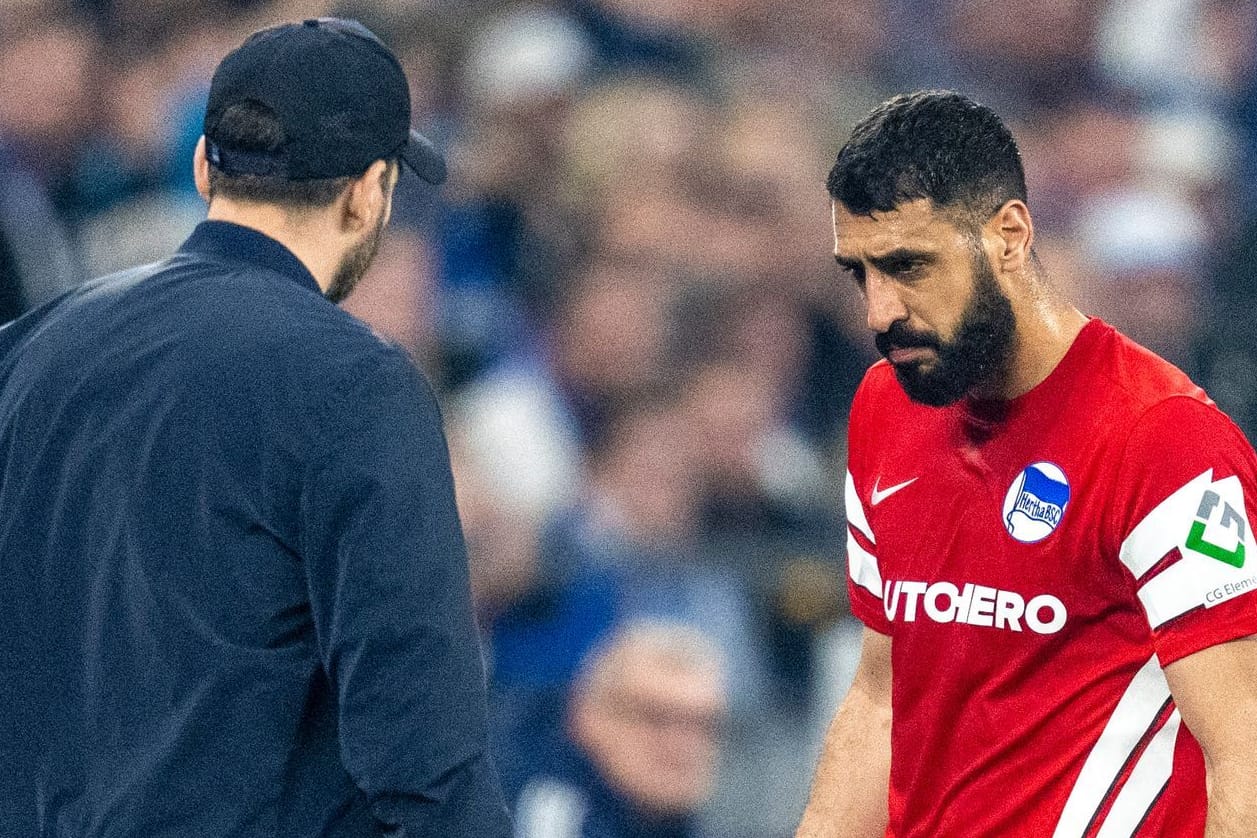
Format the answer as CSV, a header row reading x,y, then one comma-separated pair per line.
x,y
304,236
1046,329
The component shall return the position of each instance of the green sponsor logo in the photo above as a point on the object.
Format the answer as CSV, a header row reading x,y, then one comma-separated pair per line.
x,y
1231,519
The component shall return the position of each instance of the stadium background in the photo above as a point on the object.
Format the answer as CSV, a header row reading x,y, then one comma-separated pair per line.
x,y
625,292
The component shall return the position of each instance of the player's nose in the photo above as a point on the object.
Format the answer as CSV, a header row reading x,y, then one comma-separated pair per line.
x,y
885,306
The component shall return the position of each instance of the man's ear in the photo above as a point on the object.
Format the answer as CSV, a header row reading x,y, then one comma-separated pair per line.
x,y
1012,231
366,198
200,170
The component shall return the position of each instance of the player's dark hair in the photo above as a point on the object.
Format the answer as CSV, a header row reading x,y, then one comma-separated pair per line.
x,y
252,126
932,144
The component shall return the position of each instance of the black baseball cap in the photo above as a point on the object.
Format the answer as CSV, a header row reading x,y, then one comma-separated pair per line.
x,y
339,93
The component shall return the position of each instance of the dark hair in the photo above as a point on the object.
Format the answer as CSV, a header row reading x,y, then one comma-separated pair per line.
x,y
932,144
252,126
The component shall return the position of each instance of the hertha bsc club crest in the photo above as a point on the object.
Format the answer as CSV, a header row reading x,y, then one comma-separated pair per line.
x,y
1036,502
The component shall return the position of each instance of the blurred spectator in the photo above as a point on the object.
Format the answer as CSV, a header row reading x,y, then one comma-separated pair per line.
x,y
519,73
1079,151
745,354
1178,53
1228,353
635,753
636,34
1146,253
540,615
628,548
502,541
767,491
761,478
1022,51
610,341
47,102
1014,55
1187,63
640,522
536,414
37,261
631,133
1120,186
1244,116
398,295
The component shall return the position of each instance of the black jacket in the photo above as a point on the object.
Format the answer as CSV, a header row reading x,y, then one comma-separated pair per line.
x,y
234,583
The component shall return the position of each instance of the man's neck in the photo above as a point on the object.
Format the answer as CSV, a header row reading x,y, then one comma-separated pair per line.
x,y
1046,328
303,238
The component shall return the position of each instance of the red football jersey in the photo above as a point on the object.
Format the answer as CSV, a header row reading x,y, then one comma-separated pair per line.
x,y
1036,563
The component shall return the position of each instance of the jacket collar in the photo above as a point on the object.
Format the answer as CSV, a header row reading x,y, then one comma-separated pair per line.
x,y
224,240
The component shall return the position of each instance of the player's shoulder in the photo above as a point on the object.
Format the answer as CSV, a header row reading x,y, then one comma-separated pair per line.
x,y
259,314
1143,377
879,389
74,324
880,411
1155,408
233,321
880,404
1153,394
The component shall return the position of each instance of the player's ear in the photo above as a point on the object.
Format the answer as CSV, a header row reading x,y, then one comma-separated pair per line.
x,y
1013,232
389,179
200,170
365,197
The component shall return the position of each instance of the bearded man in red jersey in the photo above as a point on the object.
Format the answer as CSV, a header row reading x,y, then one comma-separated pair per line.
x,y
1049,533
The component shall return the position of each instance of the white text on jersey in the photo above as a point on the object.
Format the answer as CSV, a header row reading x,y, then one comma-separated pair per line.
x,y
975,605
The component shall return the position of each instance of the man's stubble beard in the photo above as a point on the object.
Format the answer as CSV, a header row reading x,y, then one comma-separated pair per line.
x,y
977,355
354,264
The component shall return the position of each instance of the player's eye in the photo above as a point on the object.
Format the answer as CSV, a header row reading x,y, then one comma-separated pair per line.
x,y
855,271
903,268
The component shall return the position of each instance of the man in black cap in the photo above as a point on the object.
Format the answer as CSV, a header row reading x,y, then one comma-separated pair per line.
x,y
234,587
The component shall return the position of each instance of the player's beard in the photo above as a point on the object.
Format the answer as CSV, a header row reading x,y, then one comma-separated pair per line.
x,y
355,263
978,354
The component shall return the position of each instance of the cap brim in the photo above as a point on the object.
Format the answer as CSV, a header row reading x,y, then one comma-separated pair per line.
x,y
424,159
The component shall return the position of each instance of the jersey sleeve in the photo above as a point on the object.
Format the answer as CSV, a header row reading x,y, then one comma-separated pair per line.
x,y
1186,484
864,578
389,596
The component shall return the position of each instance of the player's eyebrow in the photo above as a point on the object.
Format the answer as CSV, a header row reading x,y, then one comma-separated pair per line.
x,y
888,261
899,257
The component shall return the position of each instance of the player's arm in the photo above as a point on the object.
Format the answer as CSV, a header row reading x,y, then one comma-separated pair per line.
x,y
388,579
1190,479
850,792
1216,692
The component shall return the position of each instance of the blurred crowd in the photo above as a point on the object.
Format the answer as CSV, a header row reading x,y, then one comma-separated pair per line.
x,y
626,296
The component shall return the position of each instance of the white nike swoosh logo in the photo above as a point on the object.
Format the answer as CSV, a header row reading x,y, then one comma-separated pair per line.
x,y
881,495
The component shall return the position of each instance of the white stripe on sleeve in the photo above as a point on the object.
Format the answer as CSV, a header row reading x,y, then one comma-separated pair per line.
x,y
1172,592
1206,522
862,565
855,510
1165,527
